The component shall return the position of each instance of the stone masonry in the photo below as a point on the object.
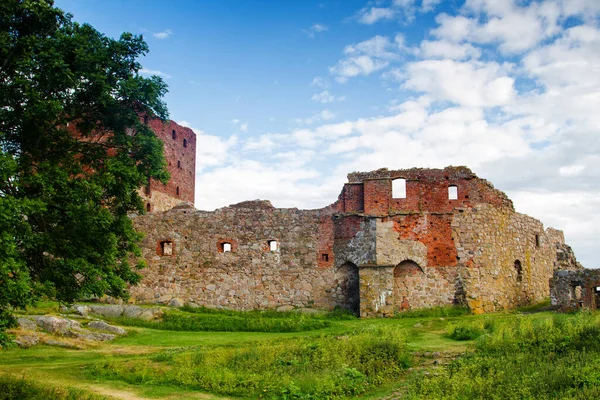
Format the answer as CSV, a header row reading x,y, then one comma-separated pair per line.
x,y
445,237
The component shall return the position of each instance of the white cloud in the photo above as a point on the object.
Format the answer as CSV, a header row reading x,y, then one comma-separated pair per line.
x,y
319,82
326,97
150,72
163,35
314,29
368,56
571,170
244,127
371,15
324,115
447,50
475,84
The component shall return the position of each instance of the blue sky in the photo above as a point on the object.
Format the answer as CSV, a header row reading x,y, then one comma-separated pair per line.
x,y
288,97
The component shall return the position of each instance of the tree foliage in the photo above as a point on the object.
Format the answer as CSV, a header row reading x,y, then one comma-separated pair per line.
x,y
73,153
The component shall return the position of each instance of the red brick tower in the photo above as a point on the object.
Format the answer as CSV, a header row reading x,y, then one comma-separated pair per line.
x,y
180,154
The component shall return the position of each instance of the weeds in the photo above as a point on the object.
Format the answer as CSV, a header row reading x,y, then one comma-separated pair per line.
x,y
326,367
12,388
453,311
250,322
523,357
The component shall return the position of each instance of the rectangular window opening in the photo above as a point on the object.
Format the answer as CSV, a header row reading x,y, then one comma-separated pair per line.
x,y
399,188
452,192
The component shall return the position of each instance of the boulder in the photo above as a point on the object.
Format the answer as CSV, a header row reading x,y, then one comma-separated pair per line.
x,y
93,336
176,302
27,340
285,308
56,325
110,311
27,324
103,326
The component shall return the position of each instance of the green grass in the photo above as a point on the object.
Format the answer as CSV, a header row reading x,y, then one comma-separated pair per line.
x,y
509,355
12,388
554,356
431,312
321,367
213,322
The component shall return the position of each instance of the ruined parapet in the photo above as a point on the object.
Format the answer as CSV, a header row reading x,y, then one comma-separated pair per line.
x,y
565,258
384,191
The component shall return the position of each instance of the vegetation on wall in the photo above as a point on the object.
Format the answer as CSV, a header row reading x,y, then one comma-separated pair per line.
x,y
73,152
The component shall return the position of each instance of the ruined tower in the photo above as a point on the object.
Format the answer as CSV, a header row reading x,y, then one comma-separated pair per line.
x,y
180,154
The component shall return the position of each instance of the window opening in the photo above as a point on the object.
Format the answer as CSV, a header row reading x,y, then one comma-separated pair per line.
x,y
177,190
148,207
399,188
519,270
166,248
226,247
272,245
184,142
537,240
174,134
325,257
453,192
178,164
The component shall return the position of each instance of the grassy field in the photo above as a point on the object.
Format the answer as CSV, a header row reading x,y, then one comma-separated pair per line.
x,y
438,354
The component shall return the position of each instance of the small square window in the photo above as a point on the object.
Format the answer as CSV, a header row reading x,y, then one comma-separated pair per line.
x,y
273,245
325,257
165,248
452,192
226,247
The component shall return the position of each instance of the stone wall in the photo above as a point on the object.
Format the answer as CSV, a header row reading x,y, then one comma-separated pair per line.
x,y
369,252
251,275
573,289
507,257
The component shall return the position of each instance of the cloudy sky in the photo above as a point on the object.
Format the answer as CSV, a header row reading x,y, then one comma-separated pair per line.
x,y
288,97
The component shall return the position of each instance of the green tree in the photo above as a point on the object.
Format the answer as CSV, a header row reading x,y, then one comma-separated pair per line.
x,y
73,152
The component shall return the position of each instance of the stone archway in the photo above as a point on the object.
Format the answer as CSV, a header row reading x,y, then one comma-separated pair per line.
x,y
346,289
409,288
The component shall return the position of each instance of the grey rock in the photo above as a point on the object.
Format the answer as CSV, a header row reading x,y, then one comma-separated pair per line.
x,y
56,325
93,336
103,326
110,311
26,341
285,308
27,324
176,302
192,305
132,311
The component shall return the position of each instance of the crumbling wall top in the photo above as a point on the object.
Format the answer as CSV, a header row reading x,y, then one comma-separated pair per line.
x,y
460,172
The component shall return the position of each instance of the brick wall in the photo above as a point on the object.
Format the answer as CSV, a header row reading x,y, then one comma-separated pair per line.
x,y
180,154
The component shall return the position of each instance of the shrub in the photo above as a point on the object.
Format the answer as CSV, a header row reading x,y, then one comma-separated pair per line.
x,y
301,368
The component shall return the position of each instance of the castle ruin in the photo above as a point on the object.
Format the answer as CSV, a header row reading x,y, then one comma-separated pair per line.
x,y
393,241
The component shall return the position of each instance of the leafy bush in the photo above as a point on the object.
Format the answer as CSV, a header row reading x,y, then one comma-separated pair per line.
x,y
317,368
518,358
465,330
12,388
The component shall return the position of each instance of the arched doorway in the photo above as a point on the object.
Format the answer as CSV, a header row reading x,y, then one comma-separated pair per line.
x,y
346,290
408,286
